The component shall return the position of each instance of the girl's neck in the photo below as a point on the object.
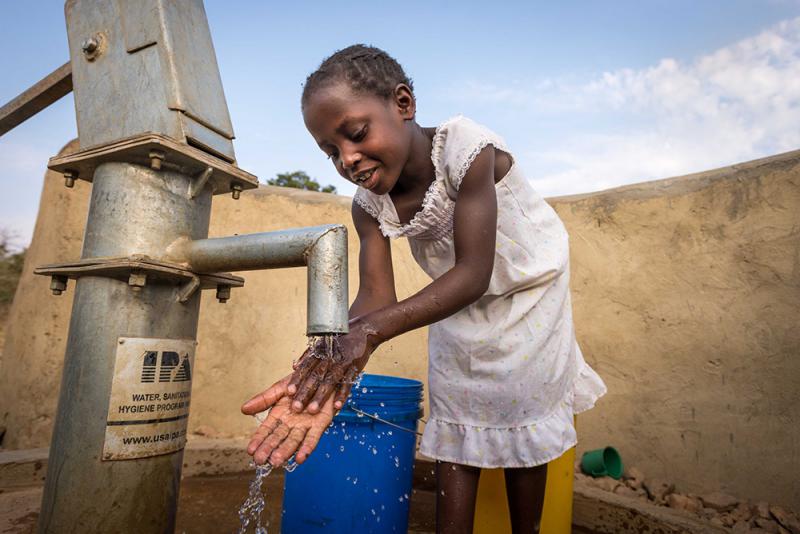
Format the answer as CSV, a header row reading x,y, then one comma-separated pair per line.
x,y
418,172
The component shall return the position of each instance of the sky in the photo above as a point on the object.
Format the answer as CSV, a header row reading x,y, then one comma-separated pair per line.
x,y
588,95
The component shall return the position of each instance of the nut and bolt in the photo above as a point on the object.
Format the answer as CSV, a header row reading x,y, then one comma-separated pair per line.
x,y
157,157
236,190
223,293
137,280
91,46
58,284
69,178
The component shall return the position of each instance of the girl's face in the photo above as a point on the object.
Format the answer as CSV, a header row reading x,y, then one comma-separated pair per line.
x,y
367,137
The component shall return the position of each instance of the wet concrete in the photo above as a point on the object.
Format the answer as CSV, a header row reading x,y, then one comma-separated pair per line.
x,y
207,505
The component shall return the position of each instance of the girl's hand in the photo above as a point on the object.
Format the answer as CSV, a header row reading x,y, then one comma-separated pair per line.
x,y
267,398
284,433
316,378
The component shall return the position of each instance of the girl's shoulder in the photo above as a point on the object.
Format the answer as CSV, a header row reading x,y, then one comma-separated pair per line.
x,y
456,144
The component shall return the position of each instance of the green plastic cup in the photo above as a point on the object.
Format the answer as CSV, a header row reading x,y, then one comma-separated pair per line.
x,y
602,462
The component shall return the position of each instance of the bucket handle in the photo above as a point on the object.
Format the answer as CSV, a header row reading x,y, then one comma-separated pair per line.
x,y
376,418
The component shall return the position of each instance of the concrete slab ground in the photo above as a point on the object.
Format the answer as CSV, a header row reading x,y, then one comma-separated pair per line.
x,y
217,478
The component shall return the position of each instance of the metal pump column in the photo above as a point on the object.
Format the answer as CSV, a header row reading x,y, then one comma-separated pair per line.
x,y
156,141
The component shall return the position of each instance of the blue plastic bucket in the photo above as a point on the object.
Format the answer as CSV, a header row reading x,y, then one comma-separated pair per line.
x,y
358,479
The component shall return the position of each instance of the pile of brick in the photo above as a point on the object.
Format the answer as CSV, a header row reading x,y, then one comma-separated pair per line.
x,y
717,508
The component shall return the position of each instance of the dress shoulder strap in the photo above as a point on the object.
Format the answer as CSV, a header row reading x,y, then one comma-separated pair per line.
x,y
456,144
367,202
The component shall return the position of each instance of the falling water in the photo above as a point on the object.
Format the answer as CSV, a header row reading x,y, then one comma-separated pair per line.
x,y
251,508
324,347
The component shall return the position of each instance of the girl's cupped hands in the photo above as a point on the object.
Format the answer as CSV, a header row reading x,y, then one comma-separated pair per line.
x,y
285,433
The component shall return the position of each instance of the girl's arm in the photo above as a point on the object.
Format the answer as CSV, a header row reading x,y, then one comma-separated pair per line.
x,y
475,227
376,276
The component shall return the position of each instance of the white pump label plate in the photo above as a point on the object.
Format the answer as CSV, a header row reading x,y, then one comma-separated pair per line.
x,y
149,406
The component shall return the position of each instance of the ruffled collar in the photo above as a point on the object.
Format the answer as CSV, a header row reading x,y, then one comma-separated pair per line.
x,y
431,211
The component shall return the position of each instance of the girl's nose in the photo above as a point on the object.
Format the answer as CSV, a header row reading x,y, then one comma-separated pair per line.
x,y
350,159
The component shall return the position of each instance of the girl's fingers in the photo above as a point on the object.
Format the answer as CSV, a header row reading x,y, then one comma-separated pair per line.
x,y
268,445
330,382
267,398
310,385
265,429
309,443
343,391
288,447
303,368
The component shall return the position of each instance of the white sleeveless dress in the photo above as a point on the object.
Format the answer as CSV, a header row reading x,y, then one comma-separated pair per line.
x,y
505,374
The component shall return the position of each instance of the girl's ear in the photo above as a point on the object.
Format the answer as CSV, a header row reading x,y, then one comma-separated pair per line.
x,y
405,101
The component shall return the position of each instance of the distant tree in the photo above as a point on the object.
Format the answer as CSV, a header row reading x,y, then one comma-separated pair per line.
x,y
299,180
11,262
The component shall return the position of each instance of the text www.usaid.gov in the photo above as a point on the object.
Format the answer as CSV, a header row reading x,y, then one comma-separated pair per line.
x,y
155,438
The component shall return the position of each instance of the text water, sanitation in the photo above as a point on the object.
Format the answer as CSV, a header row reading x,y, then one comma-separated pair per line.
x,y
148,409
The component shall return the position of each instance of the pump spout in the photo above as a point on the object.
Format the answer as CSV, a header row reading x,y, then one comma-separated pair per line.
x,y
323,249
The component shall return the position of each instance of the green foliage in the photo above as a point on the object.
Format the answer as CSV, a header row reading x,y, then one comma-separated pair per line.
x,y
299,180
10,268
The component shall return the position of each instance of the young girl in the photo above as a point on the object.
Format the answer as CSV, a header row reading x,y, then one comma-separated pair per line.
x,y
506,375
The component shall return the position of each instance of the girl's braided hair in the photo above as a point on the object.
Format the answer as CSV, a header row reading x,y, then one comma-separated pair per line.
x,y
365,69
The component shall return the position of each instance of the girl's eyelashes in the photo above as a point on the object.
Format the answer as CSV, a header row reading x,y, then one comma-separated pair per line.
x,y
360,134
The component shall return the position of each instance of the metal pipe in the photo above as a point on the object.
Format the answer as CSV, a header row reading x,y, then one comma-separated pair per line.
x,y
133,208
147,91
322,248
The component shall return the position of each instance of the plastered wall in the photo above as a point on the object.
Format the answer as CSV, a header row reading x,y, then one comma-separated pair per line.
x,y
687,301
685,295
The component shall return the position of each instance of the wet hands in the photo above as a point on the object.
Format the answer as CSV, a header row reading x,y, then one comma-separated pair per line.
x,y
284,432
317,375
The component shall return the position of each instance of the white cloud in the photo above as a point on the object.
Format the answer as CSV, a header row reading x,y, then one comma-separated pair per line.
x,y
738,103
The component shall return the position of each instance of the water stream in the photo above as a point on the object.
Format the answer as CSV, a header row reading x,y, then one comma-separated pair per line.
x,y
251,509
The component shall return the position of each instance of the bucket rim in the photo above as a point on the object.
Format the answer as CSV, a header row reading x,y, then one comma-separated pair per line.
x,y
347,414
388,381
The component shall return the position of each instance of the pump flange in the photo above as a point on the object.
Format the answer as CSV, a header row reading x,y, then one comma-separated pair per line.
x,y
145,270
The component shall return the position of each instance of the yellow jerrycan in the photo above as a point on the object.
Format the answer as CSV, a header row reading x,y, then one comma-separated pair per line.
x,y
491,510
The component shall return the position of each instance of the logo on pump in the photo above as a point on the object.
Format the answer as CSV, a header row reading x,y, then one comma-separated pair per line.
x,y
174,367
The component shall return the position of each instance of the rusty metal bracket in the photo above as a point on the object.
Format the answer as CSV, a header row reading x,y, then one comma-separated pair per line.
x,y
224,177
200,182
188,289
137,271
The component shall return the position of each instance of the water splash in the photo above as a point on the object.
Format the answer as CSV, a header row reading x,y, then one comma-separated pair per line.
x,y
324,347
252,508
